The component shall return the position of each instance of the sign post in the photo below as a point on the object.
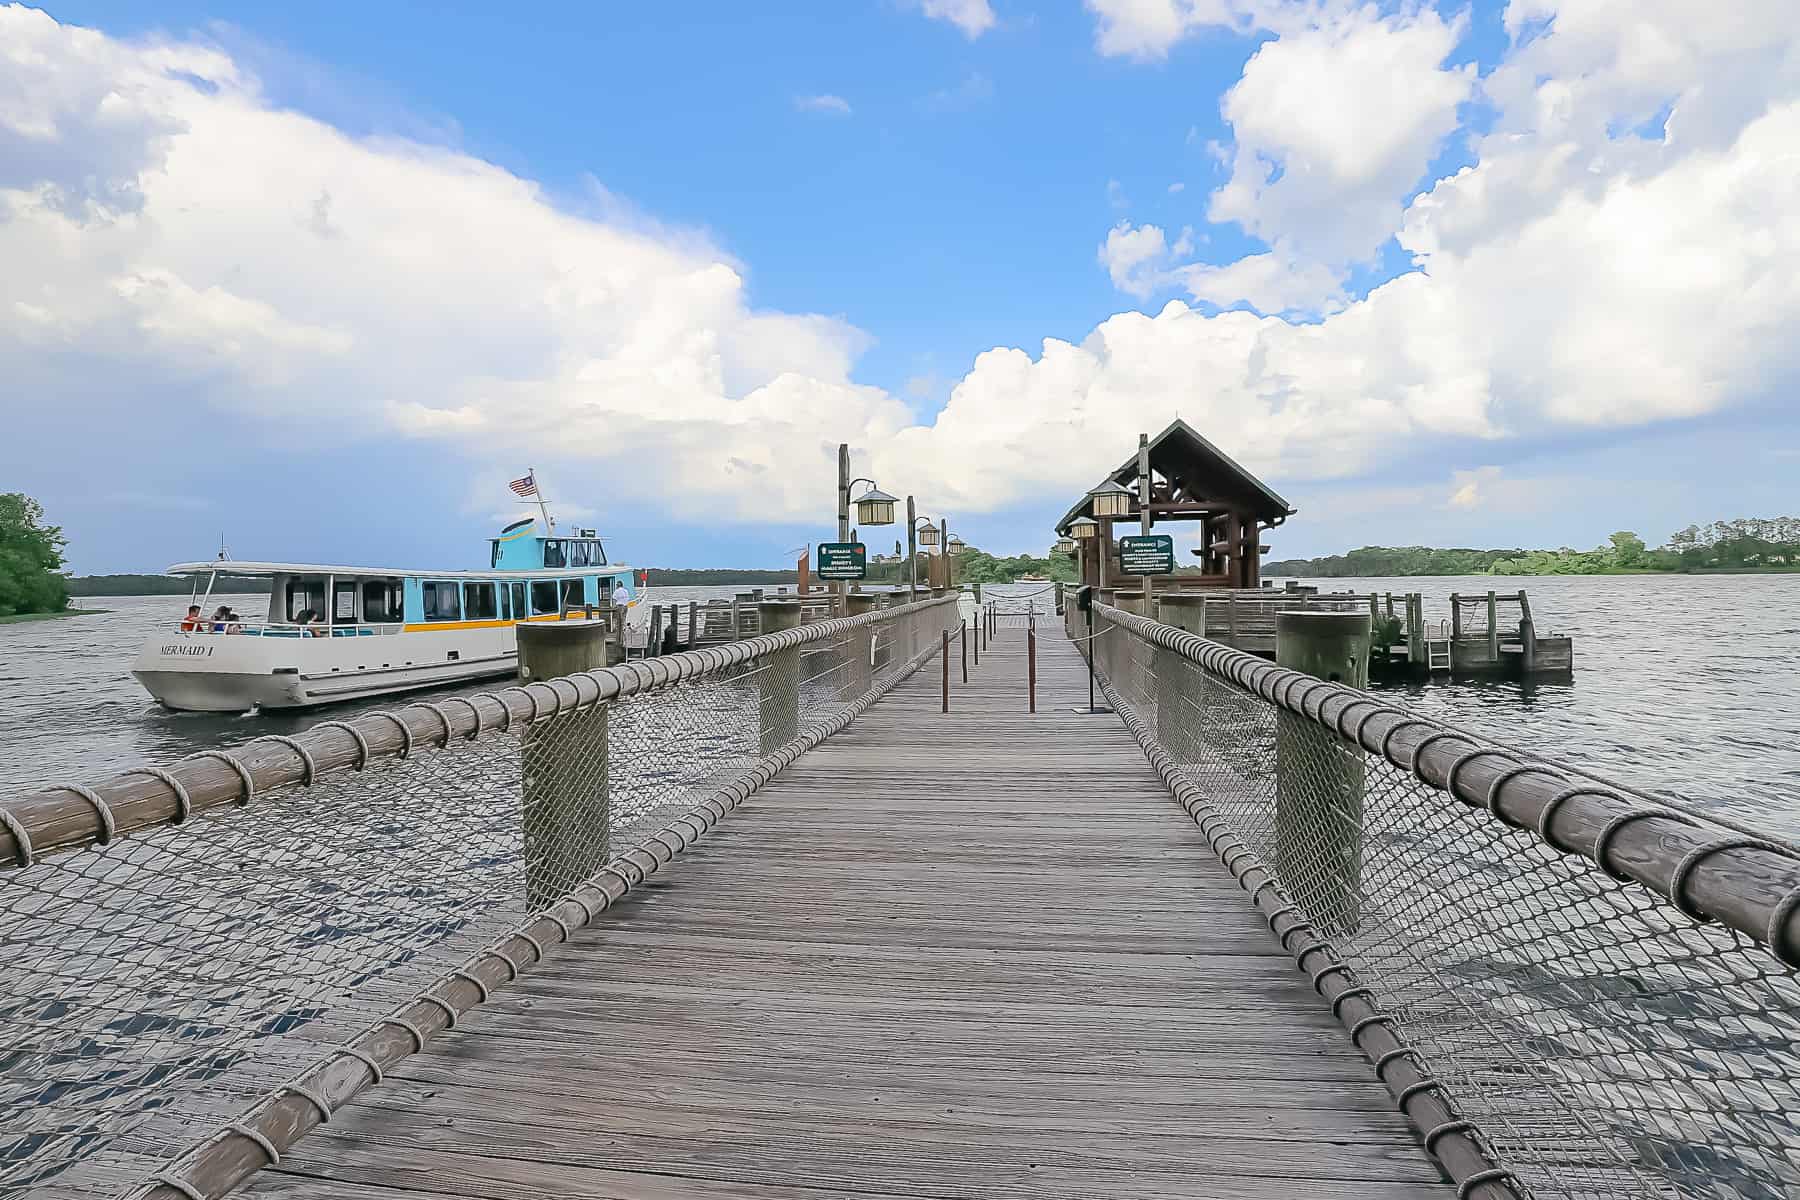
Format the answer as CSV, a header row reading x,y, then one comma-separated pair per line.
x,y
1147,554
842,560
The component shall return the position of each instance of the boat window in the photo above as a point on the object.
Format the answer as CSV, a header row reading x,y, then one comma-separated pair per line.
x,y
553,552
306,596
479,602
382,601
598,557
343,604
515,596
579,553
494,559
442,601
543,596
571,590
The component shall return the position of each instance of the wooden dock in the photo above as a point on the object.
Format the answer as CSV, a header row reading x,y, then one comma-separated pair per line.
x,y
970,955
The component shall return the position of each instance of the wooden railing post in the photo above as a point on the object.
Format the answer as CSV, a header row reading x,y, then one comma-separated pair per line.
x,y
1319,776
563,779
779,675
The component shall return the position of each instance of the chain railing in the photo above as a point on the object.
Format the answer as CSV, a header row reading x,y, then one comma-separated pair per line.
x,y
1595,987
204,961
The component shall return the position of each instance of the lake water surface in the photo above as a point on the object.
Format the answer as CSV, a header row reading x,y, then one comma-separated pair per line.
x,y
1687,686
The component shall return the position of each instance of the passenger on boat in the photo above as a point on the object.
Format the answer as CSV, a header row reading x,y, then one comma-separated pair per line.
x,y
226,621
192,622
620,597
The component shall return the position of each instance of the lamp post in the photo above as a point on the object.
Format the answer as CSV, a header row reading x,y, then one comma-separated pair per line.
x,y
916,536
874,507
1082,531
1109,501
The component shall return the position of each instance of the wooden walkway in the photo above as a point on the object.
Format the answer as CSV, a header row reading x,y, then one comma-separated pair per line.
x,y
973,956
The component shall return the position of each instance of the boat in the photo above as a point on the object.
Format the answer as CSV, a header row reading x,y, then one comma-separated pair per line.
x,y
337,633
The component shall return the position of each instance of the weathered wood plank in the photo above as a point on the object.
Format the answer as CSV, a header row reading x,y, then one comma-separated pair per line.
x,y
966,956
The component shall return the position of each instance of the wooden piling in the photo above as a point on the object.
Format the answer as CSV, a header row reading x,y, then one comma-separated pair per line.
x,y
779,677
564,765
859,648
1178,682
1319,777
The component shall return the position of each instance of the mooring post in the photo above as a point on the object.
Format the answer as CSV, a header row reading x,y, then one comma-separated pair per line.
x,y
564,761
780,677
1493,630
1318,775
963,637
859,648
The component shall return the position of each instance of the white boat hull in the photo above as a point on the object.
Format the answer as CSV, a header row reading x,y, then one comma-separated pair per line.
x,y
211,672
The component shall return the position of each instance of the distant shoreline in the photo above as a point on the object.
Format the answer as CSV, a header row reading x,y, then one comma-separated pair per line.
x,y
21,618
1271,571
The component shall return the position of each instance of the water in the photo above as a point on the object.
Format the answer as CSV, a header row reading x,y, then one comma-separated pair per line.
x,y
1688,686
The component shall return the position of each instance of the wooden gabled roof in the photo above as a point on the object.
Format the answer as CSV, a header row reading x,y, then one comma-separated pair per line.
x,y
1199,470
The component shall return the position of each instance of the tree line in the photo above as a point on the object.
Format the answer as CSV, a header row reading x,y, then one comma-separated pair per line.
x,y
31,559
1744,544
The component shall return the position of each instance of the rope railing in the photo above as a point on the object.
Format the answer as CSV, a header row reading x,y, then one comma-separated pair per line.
x,y
206,960
1600,984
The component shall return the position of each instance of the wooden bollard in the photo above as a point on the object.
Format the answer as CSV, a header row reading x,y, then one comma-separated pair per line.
x,y
779,677
859,648
564,776
1319,776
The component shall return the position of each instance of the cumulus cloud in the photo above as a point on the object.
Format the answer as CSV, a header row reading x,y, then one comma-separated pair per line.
x,y
1334,123
823,103
973,17
171,235
1148,29
1334,126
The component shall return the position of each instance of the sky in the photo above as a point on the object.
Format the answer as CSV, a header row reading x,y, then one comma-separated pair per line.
x,y
319,279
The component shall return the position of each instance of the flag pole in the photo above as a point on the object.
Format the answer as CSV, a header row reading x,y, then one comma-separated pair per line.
x,y
549,525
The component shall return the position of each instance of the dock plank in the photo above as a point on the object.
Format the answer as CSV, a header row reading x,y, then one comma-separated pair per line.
x,y
970,955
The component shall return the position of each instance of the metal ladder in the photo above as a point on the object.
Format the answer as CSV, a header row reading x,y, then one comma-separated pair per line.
x,y
1437,647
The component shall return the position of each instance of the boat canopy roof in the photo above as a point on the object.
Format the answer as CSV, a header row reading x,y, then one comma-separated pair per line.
x,y
227,566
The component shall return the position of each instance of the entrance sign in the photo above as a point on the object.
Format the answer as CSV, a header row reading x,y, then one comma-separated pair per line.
x,y
843,560
1147,554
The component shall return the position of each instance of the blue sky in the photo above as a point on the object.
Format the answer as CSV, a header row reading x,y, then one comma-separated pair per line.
x,y
896,196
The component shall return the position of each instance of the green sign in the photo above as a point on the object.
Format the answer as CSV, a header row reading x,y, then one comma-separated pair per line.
x,y
1147,554
843,560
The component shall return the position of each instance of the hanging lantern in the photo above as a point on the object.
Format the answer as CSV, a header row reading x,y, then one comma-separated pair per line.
x,y
875,507
928,535
1112,500
1064,546
1082,528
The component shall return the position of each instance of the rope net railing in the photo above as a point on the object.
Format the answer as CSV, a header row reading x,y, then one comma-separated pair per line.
x,y
205,960
1601,986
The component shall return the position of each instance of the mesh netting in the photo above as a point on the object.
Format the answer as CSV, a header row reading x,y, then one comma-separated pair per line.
x,y
1604,1043
158,986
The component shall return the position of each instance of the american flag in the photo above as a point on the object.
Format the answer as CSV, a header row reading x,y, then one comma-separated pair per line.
x,y
524,487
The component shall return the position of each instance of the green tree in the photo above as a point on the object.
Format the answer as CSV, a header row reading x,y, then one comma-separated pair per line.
x,y
1628,548
31,559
